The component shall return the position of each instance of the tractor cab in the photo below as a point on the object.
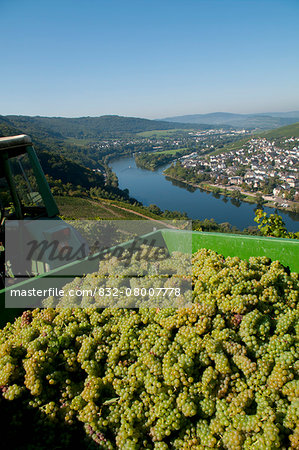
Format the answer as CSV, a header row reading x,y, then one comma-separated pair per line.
x,y
28,212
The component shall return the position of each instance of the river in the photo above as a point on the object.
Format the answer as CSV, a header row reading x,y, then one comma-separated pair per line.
x,y
153,187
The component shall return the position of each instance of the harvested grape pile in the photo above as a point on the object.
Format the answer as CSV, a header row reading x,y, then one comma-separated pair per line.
x,y
145,278
220,374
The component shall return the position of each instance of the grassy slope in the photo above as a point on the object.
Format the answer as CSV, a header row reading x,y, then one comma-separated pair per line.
x,y
230,147
170,152
84,208
288,131
80,142
161,133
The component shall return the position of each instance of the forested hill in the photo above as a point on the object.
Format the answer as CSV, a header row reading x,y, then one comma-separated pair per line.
x,y
7,128
71,137
90,127
45,140
64,175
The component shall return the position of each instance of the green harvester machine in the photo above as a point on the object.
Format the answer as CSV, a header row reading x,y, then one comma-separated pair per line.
x,y
26,198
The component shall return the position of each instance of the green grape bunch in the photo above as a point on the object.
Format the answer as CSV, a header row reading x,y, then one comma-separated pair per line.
x,y
219,372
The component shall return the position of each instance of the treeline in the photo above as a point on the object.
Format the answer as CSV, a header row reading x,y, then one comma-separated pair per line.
x,y
225,227
68,177
201,225
60,168
151,161
59,188
92,127
190,175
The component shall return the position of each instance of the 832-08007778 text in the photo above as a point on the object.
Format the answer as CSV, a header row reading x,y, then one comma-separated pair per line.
x,y
102,292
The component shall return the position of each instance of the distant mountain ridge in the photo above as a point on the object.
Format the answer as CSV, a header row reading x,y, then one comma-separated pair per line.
x,y
60,128
260,120
89,127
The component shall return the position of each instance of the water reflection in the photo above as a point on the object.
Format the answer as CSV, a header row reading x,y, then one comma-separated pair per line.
x,y
154,188
235,202
180,184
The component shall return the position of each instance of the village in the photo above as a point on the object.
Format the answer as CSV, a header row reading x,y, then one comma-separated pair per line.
x,y
259,167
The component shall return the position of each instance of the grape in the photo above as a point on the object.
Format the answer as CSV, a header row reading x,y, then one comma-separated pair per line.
x,y
221,371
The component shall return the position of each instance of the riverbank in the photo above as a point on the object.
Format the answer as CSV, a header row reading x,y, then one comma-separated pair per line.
x,y
153,188
227,191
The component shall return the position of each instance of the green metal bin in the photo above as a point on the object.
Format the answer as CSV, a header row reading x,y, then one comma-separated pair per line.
x,y
243,246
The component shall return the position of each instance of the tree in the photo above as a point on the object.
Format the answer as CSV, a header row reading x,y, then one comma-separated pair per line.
x,y
273,225
241,171
154,209
236,194
295,208
259,199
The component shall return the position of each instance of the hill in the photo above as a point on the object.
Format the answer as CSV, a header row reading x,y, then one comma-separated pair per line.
x,y
7,128
55,165
288,132
90,127
64,175
262,121
282,132
87,208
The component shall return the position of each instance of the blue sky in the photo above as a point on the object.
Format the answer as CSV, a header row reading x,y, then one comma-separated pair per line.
x,y
148,58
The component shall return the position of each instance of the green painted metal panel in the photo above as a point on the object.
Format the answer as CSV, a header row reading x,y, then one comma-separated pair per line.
x,y
284,250
243,246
